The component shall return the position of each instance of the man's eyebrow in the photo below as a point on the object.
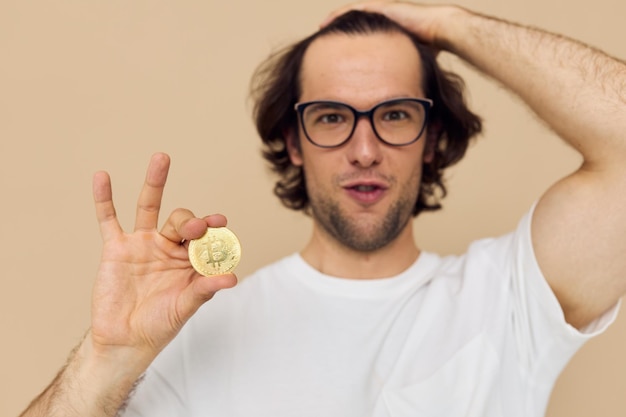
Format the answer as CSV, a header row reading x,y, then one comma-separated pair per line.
x,y
326,105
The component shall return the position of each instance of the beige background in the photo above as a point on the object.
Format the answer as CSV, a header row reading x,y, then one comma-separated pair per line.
x,y
89,85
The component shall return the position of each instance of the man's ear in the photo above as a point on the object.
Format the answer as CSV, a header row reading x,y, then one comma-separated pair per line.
x,y
432,137
293,147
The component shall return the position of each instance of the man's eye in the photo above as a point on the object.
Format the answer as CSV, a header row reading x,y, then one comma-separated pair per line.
x,y
331,118
395,115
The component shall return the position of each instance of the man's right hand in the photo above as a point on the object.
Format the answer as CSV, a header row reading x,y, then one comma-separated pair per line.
x,y
145,291
146,288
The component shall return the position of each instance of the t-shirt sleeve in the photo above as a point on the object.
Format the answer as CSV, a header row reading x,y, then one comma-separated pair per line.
x,y
546,342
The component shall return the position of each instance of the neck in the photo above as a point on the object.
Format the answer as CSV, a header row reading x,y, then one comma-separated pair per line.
x,y
330,257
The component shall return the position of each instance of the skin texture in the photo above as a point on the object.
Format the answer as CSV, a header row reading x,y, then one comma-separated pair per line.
x,y
146,289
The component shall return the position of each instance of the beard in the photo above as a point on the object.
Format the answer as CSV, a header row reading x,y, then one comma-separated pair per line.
x,y
359,235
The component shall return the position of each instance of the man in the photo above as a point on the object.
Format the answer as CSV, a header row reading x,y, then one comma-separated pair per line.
x,y
361,322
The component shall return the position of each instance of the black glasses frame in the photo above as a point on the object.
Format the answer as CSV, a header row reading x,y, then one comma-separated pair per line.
x,y
426,103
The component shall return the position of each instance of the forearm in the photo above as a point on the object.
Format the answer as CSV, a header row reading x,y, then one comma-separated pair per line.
x,y
579,91
91,384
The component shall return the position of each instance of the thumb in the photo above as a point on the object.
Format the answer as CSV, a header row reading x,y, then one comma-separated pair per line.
x,y
202,289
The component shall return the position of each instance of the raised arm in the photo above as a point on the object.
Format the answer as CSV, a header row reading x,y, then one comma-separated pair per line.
x,y
144,292
579,226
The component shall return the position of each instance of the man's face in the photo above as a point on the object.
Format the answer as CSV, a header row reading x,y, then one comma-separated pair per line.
x,y
362,193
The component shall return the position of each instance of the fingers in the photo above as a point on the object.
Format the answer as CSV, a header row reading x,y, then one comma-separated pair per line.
x,y
149,202
204,288
425,21
215,220
200,290
105,210
183,225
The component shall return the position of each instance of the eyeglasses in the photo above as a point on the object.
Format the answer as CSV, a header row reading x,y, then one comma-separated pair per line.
x,y
330,124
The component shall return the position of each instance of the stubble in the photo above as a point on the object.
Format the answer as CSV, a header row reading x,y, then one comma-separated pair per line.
x,y
361,235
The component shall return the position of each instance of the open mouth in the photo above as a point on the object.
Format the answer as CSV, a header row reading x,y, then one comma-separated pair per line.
x,y
365,188
366,193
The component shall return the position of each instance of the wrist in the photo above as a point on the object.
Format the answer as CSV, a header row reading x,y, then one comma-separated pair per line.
x,y
116,363
98,381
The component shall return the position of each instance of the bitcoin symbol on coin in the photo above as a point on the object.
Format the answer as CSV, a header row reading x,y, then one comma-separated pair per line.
x,y
217,252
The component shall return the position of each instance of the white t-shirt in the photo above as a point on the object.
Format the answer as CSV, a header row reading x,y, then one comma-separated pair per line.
x,y
478,335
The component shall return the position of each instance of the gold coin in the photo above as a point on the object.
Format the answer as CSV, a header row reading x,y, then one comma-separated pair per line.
x,y
217,252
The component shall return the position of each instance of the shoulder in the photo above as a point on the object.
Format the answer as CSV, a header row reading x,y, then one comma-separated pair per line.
x,y
497,253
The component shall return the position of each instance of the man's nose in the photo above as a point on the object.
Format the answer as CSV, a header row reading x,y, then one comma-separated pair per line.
x,y
364,147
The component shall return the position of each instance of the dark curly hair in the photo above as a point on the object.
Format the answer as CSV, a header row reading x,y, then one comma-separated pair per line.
x,y
275,89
